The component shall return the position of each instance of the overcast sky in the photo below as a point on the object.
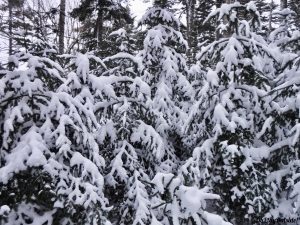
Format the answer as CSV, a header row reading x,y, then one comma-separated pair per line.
x,y
138,7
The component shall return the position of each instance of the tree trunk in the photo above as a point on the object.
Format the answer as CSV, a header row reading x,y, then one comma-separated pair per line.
x,y
40,25
10,27
61,26
99,24
190,15
188,21
219,3
284,4
271,15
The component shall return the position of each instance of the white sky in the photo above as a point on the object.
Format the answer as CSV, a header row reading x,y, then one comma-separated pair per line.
x,y
138,7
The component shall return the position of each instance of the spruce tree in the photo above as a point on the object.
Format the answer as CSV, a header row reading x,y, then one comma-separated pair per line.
x,y
25,24
131,146
225,121
167,71
282,135
26,186
81,193
171,94
98,19
143,135
138,156
47,130
201,32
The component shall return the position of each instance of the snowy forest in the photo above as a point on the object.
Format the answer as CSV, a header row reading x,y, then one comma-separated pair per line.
x,y
188,115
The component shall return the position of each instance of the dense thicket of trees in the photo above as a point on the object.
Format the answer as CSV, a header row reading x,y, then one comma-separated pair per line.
x,y
162,123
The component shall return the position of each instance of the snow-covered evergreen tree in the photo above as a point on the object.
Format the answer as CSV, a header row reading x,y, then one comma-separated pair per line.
x,y
140,137
294,5
283,124
26,92
226,120
282,134
197,32
123,40
170,92
48,142
98,19
177,203
26,24
129,143
163,57
282,35
81,185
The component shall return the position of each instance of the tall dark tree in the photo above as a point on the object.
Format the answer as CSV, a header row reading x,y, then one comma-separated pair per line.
x,y
198,32
99,18
26,25
9,25
283,4
61,26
